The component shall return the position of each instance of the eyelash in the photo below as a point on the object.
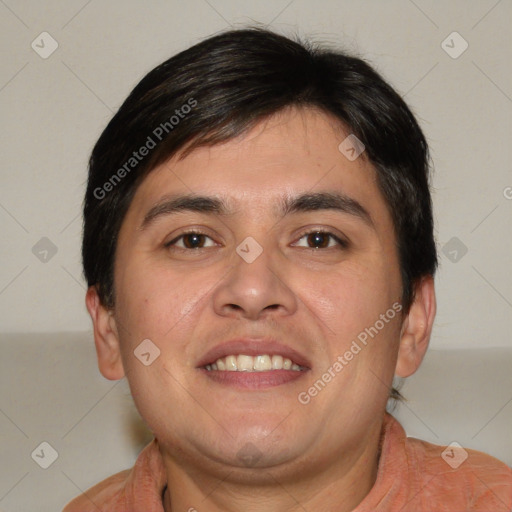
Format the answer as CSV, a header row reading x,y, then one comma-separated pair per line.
x,y
343,244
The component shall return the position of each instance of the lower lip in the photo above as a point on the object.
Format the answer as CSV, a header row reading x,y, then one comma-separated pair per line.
x,y
254,380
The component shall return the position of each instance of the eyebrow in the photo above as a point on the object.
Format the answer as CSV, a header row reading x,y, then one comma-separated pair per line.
x,y
307,202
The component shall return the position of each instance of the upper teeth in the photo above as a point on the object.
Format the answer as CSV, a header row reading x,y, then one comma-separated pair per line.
x,y
261,363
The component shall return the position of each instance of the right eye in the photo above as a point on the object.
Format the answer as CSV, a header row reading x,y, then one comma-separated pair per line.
x,y
190,240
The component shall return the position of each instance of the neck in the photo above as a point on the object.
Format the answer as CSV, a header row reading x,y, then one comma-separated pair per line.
x,y
339,486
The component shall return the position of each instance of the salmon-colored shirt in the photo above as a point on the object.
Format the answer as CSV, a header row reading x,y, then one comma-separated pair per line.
x,y
412,476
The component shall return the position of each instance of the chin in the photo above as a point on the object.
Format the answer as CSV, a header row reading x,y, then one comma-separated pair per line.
x,y
246,451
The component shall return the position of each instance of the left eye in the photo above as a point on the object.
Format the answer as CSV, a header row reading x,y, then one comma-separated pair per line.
x,y
321,240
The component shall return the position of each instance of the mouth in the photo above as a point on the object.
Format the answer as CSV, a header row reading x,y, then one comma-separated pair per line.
x,y
253,364
259,363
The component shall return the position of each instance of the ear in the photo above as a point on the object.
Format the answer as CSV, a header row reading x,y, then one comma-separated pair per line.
x,y
106,336
417,328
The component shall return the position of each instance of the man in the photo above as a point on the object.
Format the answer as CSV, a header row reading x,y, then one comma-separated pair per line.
x,y
258,245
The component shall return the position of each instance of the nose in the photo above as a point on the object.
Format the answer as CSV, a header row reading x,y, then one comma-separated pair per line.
x,y
255,290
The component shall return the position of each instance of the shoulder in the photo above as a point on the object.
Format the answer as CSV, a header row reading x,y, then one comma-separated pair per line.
x,y
140,486
462,475
108,493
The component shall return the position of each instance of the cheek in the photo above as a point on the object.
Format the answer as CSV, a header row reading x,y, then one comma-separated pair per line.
x,y
349,305
349,299
157,395
154,300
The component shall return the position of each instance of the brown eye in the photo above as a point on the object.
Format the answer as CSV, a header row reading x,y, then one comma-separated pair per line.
x,y
321,240
190,240
318,240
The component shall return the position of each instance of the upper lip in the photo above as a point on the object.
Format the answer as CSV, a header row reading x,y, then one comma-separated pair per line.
x,y
253,347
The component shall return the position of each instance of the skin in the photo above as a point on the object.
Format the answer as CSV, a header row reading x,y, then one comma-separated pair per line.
x,y
319,456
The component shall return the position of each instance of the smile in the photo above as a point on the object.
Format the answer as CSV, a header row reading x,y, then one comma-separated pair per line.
x,y
247,363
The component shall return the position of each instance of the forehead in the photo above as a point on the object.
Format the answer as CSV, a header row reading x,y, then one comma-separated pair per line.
x,y
292,152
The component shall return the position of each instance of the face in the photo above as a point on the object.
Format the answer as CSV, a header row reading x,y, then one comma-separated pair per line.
x,y
292,256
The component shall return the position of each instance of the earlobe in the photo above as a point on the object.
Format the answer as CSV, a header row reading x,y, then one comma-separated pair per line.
x,y
106,338
417,328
